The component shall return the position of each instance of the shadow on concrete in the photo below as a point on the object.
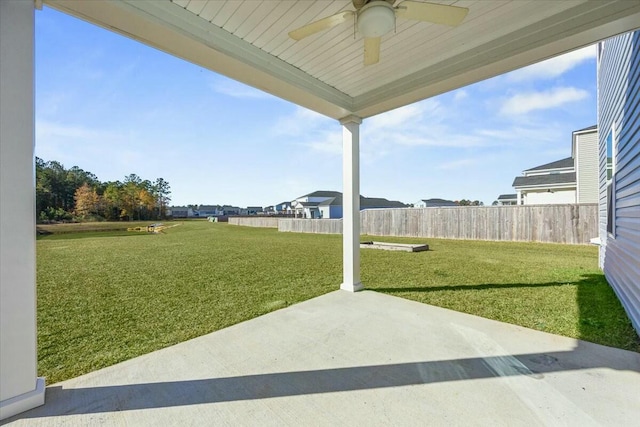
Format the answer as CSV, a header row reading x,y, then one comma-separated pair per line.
x,y
264,386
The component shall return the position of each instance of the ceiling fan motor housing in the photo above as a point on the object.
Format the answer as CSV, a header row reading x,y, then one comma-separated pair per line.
x,y
376,19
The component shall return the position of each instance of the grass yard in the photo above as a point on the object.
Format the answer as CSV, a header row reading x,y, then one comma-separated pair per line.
x,y
108,296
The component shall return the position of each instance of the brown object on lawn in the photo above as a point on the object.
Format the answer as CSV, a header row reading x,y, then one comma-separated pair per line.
x,y
395,246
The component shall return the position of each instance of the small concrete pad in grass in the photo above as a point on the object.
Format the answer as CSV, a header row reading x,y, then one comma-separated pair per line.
x,y
387,246
358,359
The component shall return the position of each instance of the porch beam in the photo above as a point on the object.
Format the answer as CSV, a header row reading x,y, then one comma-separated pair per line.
x,y
351,203
20,388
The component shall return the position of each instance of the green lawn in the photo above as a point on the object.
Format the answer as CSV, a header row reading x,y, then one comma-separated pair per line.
x,y
104,297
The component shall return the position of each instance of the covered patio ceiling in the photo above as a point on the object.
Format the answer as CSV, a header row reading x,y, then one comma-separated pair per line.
x,y
247,40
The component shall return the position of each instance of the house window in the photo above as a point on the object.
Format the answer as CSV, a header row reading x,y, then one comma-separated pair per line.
x,y
611,195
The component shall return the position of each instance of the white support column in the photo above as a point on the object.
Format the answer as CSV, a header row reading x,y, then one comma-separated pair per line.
x,y
518,197
351,203
20,388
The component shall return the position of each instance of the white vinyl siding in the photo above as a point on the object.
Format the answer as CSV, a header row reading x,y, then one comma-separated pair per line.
x,y
560,196
587,167
619,109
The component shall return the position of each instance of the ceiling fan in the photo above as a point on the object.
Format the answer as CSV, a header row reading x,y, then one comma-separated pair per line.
x,y
375,18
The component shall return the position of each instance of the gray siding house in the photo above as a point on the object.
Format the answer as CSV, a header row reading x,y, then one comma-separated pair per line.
x,y
570,180
435,203
507,199
619,149
328,204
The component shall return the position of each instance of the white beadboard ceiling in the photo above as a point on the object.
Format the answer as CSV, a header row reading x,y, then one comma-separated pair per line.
x,y
248,40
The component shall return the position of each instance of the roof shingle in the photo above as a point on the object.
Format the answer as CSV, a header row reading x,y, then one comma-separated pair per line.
x,y
551,179
558,164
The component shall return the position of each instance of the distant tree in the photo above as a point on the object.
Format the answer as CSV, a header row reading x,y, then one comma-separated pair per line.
x,y
111,198
130,200
464,202
162,190
146,204
60,192
495,203
87,201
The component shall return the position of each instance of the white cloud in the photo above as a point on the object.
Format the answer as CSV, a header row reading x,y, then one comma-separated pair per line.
x,y
301,122
237,90
460,94
404,115
327,142
539,132
53,130
80,145
553,67
458,164
523,103
427,123
438,137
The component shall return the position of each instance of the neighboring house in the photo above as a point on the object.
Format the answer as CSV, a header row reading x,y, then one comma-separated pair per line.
x,y
379,203
206,211
618,62
254,210
306,209
307,206
180,212
507,199
284,208
557,182
330,205
269,210
331,208
435,203
231,210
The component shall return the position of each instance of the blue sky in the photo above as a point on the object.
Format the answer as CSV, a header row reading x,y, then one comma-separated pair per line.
x,y
113,106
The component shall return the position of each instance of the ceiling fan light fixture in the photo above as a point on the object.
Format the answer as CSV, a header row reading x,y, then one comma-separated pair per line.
x,y
376,19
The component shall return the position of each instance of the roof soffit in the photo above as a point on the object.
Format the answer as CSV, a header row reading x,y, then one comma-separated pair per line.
x,y
170,27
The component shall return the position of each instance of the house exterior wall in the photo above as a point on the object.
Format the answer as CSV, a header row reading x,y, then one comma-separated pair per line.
x,y
619,113
330,211
543,197
312,199
586,161
547,171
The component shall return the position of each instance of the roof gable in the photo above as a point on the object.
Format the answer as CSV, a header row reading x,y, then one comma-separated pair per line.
x,y
322,193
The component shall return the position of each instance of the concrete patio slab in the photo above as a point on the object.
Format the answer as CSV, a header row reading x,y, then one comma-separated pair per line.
x,y
358,359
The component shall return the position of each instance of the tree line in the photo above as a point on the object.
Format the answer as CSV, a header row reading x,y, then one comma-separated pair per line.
x,y
75,194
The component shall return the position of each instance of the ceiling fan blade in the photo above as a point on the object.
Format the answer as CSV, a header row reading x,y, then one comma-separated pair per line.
x,y
432,12
371,50
320,25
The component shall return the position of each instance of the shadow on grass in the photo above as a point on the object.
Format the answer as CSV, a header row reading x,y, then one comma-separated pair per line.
x,y
600,314
91,234
468,287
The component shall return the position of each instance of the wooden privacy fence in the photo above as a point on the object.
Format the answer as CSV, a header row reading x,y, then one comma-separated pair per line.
x,y
318,226
574,224
254,221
